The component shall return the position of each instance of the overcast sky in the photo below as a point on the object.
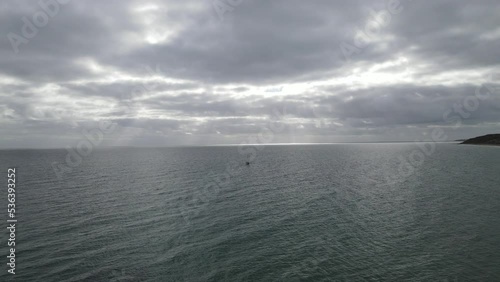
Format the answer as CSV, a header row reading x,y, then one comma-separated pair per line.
x,y
218,72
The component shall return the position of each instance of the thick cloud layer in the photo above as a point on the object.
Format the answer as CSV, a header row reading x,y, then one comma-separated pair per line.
x,y
214,72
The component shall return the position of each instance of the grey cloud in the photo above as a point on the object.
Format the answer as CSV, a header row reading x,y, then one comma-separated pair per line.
x,y
88,64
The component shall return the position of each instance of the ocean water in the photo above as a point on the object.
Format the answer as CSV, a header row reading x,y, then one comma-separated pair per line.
x,y
340,212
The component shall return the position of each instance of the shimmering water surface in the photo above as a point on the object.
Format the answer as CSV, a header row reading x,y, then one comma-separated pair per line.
x,y
340,212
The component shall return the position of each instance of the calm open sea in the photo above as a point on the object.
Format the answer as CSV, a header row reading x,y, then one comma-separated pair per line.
x,y
340,212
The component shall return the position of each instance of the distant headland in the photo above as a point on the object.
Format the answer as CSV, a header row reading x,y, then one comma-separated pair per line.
x,y
490,139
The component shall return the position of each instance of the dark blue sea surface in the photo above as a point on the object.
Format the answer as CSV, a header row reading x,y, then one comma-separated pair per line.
x,y
339,212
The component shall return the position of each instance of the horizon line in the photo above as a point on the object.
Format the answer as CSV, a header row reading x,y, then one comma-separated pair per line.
x,y
234,144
